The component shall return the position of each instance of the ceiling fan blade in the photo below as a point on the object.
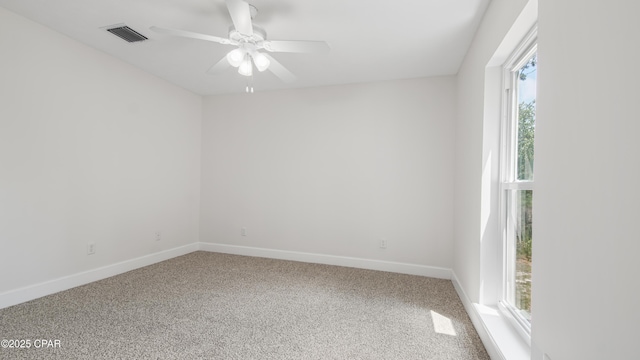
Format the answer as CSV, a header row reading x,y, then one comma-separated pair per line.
x,y
220,66
192,35
241,16
280,71
296,46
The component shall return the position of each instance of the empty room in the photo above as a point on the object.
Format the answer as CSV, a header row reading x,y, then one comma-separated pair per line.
x,y
255,179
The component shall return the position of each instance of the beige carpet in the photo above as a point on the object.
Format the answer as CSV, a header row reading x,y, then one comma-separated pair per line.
x,y
215,306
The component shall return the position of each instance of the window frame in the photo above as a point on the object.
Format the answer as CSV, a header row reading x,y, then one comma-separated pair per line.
x,y
508,171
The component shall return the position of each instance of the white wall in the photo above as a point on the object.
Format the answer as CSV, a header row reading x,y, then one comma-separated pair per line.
x,y
585,285
332,170
586,205
473,157
91,150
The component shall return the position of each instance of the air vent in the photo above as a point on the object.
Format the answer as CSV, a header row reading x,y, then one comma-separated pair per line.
x,y
126,33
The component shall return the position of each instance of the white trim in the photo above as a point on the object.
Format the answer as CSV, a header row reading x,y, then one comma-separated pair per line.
x,y
500,339
524,51
31,292
521,326
517,185
487,340
396,267
508,173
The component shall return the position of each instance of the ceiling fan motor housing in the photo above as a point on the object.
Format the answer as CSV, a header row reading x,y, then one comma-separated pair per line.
x,y
259,34
250,39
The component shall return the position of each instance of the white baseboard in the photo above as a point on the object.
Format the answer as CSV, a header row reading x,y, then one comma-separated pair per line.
x,y
499,337
488,341
31,292
402,268
17,296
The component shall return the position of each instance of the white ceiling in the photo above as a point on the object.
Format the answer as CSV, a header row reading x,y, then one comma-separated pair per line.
x,y
371,40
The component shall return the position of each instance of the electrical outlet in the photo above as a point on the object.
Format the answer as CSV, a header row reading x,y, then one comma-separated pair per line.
x,y
243,231
158,236
91,248
383,243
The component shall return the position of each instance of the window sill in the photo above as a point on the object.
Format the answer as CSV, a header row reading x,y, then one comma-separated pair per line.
x,y
498,335
503,335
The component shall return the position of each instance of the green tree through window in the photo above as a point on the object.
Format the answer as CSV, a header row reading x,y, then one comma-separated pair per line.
x,y
524,172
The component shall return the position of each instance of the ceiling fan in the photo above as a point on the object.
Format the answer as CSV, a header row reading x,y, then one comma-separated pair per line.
x,y
249,40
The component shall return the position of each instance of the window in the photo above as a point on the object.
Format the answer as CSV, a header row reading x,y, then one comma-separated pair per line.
x,y
517,179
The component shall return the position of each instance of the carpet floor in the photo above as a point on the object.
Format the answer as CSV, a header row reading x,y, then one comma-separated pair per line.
x,y
214,306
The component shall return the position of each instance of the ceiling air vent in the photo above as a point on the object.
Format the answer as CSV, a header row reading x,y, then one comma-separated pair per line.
x,y
126,33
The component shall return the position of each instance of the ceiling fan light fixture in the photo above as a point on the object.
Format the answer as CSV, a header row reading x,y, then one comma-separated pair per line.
x,y
261,61
246,67
236,57
248,39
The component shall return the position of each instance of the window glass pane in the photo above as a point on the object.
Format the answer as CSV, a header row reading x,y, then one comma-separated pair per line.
x,y
527,76
519,238
517,172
